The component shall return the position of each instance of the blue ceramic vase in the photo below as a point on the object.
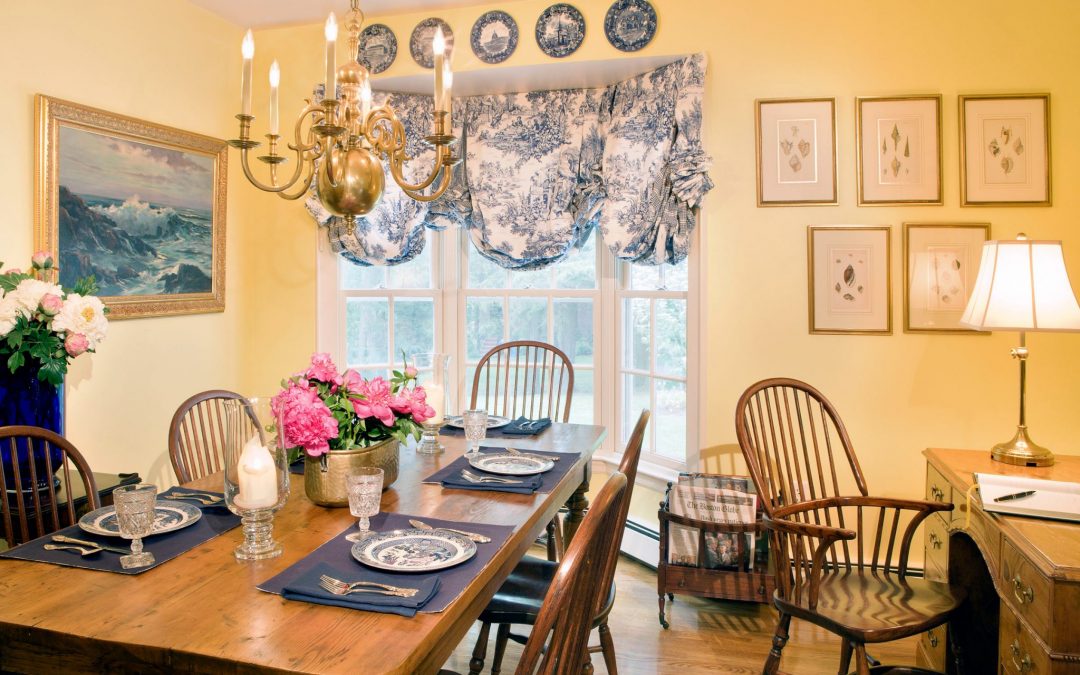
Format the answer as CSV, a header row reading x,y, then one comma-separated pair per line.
x,y
26,400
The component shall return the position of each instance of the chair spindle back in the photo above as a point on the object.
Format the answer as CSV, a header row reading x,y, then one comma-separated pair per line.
x,y
524,378
197,435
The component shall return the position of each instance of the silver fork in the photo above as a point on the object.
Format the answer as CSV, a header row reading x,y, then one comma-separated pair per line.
x,y
194,495
473,478
515,451
357,584
196,498
341,588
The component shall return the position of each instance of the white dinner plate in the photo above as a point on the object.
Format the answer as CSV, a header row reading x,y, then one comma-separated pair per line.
x,y
168,517
509,464
494,421
413,550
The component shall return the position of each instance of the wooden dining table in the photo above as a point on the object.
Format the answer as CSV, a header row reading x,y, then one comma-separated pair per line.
x,y
201,612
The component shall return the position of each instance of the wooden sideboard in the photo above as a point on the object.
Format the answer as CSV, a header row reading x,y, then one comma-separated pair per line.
x,y
1022,575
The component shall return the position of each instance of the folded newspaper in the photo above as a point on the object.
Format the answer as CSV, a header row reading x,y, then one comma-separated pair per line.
x,y
713,499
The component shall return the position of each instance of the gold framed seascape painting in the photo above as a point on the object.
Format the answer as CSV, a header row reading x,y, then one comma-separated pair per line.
x,y
850,287
138,205
941,263
796,152
1005,150
899,150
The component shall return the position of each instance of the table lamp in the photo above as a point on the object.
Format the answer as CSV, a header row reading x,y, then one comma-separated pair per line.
x,y
1023,286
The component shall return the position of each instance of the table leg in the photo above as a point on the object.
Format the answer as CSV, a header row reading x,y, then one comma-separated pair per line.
x,y
578,504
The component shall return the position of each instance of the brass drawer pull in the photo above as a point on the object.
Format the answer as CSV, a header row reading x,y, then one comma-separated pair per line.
x,y
937,494
1023,594
932,638
935,540
1023,664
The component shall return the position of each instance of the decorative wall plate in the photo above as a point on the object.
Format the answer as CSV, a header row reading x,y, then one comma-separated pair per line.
x,y
378,48
493,421
413,550
423,34
511,465
494,37
560,30
169,516
630,24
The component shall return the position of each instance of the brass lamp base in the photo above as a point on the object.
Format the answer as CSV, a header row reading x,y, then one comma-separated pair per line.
x,y
1022,451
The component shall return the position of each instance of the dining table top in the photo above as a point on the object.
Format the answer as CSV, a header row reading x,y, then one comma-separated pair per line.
x,y
202,611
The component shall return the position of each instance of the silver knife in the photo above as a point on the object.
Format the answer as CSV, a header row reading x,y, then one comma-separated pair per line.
x,y
82,542
515,451
478,538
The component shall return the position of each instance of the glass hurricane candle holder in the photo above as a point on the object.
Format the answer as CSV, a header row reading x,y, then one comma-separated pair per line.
x,y
256,474
434,377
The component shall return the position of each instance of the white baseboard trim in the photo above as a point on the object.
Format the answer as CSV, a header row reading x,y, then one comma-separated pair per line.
x,y
641,543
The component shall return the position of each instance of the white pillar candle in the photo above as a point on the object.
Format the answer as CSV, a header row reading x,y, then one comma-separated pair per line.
x,y
247,49
275,80
438,48
331,57
257,477
436,398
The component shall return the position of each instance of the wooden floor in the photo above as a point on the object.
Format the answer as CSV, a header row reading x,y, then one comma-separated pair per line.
x,y
706,636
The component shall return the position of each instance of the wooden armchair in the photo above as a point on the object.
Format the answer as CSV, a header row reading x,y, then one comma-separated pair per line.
x,y
839,562
197,435
524,378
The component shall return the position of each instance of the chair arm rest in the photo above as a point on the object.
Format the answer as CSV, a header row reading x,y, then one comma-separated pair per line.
x,y
859,500
824,532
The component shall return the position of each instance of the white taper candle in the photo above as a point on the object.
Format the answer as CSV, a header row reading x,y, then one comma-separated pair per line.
x,y
331,57
275,80
247,49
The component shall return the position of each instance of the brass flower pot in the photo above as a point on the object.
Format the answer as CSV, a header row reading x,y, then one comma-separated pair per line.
x,y
324,477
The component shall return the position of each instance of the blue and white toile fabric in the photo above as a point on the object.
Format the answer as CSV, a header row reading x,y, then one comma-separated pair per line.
x,y
531,184
394,232
654,166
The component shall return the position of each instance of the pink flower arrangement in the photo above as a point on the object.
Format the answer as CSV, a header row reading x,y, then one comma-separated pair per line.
x,y
321,410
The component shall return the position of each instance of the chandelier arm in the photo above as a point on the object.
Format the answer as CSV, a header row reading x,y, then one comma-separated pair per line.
x,y
262,186
397,162
305,183
444,183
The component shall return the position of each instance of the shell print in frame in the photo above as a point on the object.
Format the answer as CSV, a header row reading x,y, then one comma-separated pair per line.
x,y
378,48
947,288
423,34
560,30
899,154
630,24
849,273
494,37
1004,159
796,151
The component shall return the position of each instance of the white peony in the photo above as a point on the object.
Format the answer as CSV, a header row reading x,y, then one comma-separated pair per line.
x,y
82,314
29,292
10,310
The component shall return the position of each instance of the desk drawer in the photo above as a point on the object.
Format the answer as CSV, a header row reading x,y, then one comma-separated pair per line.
x,y
937,488
933,647
936,543
1019,653
1025,589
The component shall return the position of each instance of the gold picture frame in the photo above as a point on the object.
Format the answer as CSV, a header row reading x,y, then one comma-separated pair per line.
x,y
142,207
849,279
941,263
1005,150
804,170
898,150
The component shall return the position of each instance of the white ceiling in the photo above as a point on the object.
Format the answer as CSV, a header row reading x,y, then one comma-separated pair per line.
x,y
267,13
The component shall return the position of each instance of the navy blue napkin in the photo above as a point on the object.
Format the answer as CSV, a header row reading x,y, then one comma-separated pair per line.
x,y
173,492
454,479
523,426
306,588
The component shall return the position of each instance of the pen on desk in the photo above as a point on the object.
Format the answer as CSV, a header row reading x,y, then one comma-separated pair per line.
x,y
1015,495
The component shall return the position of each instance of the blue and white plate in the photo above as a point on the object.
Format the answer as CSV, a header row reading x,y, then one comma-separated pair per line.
x,y
630,24
378,47
493,421
511,465
494,37
413,550
560,30
423,34
168,516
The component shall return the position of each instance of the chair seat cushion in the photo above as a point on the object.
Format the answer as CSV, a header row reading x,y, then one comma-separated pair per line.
x,y
869,607
518,600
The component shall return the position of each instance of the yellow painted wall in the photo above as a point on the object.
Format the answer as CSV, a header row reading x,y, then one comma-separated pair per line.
x,y
165,61
897,394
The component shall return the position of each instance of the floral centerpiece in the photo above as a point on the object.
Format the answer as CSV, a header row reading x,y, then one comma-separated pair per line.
x,y
328,416
43,326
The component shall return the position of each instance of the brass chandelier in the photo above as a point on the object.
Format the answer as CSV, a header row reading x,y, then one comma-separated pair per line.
x,y
342,138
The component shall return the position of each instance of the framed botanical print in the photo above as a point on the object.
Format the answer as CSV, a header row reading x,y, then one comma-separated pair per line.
x,y
899,150
941,263
1005,150
138,205
849,279
796,151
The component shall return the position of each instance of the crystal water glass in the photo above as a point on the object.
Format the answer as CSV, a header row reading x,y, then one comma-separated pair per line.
x,y
364,485
476,425
135,515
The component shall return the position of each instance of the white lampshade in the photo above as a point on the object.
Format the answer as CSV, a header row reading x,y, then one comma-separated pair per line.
x,y
1022,286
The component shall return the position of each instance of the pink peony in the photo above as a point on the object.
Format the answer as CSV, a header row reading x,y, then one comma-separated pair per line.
x,y
305,419
413,402
411,372
323,369
42,260
51,304
352,381
76,343
375,400
14,270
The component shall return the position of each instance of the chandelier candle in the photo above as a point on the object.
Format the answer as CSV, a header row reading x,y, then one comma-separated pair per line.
x,y
275,80
438,48
247,49
331,57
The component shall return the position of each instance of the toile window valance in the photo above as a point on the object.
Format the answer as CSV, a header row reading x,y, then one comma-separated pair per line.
x,y
542,169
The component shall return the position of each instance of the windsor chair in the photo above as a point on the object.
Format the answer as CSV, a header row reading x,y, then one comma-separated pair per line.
x,y
197,434
841,555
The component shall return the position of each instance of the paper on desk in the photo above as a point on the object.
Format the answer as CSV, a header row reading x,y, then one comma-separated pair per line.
x,y
1052,498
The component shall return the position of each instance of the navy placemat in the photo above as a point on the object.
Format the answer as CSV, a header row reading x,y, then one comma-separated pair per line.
x,y
297,467
512,430
336,553
165,547
306,588
175,492
450,475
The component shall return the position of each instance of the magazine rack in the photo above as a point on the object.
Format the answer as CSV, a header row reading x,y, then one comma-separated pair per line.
x,y
754,585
